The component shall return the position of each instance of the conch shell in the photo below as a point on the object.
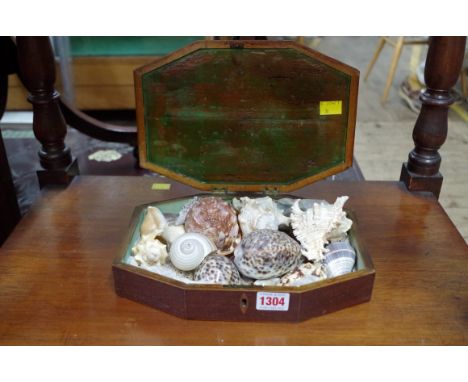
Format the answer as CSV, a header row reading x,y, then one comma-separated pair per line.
x,y
153,223
188,251
216,219
150,251
319,224
259,213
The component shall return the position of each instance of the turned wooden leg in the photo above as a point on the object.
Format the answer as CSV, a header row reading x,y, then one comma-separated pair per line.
x,y
443,64
37,72
393,66
380,46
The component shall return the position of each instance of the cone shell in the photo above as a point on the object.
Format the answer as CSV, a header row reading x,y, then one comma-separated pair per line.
x,y
189,250
216,219
216,269
339,259
265,253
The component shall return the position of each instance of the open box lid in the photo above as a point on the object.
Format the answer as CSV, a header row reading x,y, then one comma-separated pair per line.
x,y
246,115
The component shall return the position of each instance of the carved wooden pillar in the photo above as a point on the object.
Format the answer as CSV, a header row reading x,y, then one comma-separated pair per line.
x,y
443,64
37,72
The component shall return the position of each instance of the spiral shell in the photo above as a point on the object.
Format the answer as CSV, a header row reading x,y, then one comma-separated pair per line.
x,y
217,269
216,219
265,253
339,259
189,250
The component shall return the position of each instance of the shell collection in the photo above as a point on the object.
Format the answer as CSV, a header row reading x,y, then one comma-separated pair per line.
x,y
260,241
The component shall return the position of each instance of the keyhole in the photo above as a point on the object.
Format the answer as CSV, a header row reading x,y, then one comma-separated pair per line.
x,y
244,303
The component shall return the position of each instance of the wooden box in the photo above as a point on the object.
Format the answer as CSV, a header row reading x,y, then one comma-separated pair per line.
x,y
244,117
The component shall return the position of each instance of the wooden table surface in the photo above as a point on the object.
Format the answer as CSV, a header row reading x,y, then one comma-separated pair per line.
x,y
56,283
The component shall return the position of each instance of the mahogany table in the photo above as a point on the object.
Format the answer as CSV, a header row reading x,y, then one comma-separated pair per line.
x,y
56,283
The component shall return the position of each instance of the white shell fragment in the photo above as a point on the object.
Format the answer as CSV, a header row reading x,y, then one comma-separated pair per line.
x,y
258,213
216,269
268,282
172,232
316,226
153,223
305,274
149,251
265,253
339,259
188,251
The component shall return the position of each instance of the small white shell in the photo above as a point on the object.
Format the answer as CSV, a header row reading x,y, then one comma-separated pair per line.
x,y
172,232
153,223
339,259
189,250
150,251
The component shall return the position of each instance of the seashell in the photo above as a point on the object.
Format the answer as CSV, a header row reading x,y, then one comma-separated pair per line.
x,y
339,259
216,219
316,226
172,232
150,251
184,211
153,223
216,269
268,282
259,213
189,250
305,274
266,253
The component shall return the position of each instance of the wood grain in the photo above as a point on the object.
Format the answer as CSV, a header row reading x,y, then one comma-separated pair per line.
x,y
259,101
57,288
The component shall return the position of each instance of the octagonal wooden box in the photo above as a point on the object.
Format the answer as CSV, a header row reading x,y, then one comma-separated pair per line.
x,y
251,117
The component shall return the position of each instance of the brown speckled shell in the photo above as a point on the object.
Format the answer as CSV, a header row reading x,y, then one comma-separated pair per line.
x,y
216,219
216,269
267,253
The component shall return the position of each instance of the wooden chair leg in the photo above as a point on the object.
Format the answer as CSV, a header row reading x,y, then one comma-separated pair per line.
x,y
393,66
380,46
443,64
37,72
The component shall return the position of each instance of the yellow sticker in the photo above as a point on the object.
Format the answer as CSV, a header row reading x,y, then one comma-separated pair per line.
x,y
330,107
161,186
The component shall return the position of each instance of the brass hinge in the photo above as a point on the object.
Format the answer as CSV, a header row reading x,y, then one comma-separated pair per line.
x,y
272,191
220,191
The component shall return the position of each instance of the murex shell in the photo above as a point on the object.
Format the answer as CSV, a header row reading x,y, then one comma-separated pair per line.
x,y
150,251
339,259
258,213
319,224
267,253
216,269
216,219
188,251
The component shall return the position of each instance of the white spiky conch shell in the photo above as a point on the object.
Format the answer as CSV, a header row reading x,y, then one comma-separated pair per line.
x,y
188,250
317,225
153,223
259,213
150,251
